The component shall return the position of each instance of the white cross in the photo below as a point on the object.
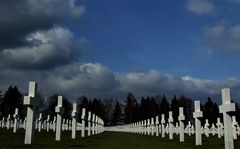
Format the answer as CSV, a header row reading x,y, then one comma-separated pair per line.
x,y
181,118
74,121
15,116
59,110
89,123
226,107
197,115
30,102
83,122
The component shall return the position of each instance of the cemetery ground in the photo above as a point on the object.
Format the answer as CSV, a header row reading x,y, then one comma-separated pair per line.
x,y
107,140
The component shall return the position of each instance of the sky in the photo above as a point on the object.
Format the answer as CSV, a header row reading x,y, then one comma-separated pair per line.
x,y
108,48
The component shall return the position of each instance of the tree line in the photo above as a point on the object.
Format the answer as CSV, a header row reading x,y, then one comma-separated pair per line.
x,y
113,112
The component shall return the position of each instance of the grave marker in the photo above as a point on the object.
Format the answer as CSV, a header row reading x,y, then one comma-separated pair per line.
x,y
170,121
219,128
181,118
157,126
8,121
30,102
83,122
234,127
93,124
163,127
48,123
74,121
15,116
197,115
40,122
226,107
89,123
59,110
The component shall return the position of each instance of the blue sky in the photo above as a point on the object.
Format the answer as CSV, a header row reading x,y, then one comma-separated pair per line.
x,y
109,48
164,35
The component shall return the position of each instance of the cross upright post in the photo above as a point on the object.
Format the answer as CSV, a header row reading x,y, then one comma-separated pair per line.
x,y
219,127
181,118
152,126
157,126
48,123
30,102
234,126
93,124
170,121
163,127
40,122
197,115
83,122
59,110
89,123
96,125
15,116
74,121
225,108
148,126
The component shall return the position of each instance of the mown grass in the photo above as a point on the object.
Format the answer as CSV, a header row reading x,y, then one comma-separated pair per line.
x,y
106,140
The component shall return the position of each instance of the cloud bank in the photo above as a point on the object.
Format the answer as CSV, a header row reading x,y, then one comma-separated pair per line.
x,y
97,80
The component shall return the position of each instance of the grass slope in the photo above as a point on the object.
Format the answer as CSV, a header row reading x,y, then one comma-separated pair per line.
x,y
106,140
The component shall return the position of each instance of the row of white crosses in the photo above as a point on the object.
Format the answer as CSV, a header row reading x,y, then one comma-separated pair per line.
x,y
229,128
9,123
95,123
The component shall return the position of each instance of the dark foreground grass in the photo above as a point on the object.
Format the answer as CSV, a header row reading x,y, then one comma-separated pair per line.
x,y
106,140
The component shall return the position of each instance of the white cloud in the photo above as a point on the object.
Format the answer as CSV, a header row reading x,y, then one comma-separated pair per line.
x,y
89,78
201,7
223,38
96,80
44,50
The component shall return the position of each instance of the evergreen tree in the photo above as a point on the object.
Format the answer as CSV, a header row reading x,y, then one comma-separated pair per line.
x,y
175,108
164,106
11,100
116,117
131,109
41,105
1,100
0,95
108,108
148,108
238,112
52,103
97,107
82,102
210,111
187,105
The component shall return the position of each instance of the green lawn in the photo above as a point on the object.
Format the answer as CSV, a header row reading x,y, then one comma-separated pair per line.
x,y
106,140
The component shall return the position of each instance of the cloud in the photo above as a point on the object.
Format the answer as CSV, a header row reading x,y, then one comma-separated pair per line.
x,y
97,80
86,79
201,7
223,38
44,50
152,82
20,18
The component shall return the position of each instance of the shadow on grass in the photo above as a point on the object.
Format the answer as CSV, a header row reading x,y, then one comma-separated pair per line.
x,y
106,140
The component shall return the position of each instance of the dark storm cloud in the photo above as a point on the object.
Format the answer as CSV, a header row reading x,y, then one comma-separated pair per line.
x,y
21,17
46,49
